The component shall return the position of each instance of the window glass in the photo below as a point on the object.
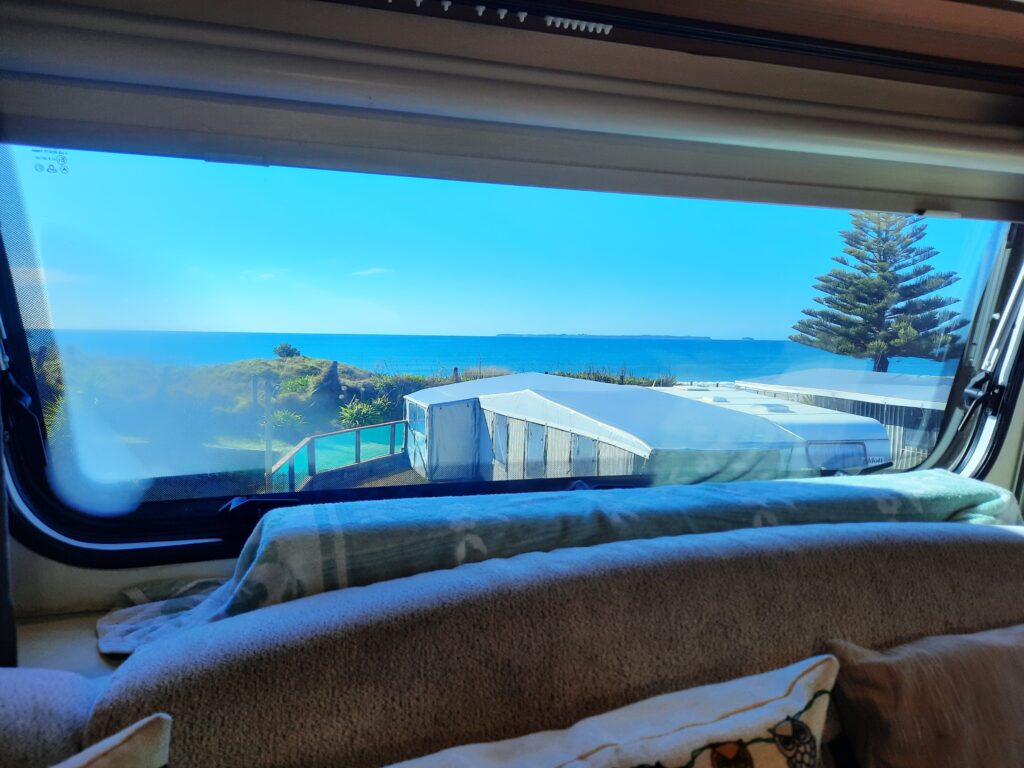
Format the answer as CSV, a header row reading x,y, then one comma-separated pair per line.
x,y
584,456
417,419
837,456
499,439
535,434
201,329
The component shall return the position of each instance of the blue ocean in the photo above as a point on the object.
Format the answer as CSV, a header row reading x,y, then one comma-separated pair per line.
x,y
687,359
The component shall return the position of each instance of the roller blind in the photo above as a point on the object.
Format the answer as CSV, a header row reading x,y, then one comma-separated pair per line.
x,y
92,78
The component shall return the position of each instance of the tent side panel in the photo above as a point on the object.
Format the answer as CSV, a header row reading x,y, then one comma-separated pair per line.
x,y
536,449
558,461
452,430
416,418
584,456
517,429
485,455
497,438
612,460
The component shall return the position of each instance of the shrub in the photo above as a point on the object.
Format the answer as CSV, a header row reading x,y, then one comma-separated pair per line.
x,y
360,413
55,418
291,401
287,423
394,388
395,385
284,349
283,418
483,372
296,384
623,377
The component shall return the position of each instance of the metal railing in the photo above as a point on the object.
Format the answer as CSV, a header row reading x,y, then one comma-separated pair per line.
x,y
336,450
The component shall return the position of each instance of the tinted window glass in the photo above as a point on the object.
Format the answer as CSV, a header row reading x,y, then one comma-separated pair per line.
x,y
202,329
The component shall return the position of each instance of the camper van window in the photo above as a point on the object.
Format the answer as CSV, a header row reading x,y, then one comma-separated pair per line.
x,y
198,330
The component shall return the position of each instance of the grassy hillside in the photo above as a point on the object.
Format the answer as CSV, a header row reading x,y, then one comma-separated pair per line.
x,y
224,405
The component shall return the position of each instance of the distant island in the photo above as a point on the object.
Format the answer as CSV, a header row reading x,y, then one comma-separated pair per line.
x,y
597,336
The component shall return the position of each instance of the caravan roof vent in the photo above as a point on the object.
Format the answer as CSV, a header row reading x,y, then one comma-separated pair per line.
x,y
773,408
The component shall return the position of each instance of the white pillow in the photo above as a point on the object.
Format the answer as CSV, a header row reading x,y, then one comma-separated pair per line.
x,y
771,720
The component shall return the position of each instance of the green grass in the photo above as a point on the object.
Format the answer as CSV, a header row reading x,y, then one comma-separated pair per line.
x,y
622,377
298,384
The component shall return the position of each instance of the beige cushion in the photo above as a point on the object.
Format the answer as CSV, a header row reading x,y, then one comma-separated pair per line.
x,y
145,744
951,700
771,720
368,676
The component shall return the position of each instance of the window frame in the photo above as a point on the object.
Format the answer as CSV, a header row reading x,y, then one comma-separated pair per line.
x,y
218,525
973,446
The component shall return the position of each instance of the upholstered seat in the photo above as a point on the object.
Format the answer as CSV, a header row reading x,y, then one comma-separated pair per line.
x,y
43,713
371,675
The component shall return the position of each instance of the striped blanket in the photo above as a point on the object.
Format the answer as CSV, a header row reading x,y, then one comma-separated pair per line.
x,y
299,551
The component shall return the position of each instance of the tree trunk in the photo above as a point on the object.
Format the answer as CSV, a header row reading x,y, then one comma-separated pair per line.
x,y
881,363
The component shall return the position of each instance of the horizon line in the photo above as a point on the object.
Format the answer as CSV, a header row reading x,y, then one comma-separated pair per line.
x,y
505,334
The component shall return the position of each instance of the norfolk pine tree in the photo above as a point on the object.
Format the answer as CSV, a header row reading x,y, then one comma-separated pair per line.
x,y
882,303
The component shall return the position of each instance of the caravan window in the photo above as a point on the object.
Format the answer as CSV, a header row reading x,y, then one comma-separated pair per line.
x,y
196,331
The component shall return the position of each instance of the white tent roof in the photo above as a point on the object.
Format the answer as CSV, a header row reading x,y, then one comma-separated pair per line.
x,y
492,385
901,389
809,422
637,419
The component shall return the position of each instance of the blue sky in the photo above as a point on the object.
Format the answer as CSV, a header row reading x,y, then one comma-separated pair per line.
x,y
130,242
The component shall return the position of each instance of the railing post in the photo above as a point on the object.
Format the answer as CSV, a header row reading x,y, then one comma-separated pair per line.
x,y
291,475
359,445
268,427
311,457
391,450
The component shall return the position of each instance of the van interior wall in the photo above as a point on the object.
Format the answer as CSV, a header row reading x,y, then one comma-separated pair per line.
x,y
44,587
